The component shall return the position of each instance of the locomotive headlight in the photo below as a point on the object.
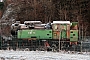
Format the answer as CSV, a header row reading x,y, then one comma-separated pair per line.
x,y
70,23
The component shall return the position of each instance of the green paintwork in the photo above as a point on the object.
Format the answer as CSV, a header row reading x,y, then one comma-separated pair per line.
x,y
74,23
73,35
63,34
64,26
38,34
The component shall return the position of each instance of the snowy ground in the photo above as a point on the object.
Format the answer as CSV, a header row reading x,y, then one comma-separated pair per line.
x,y
41,55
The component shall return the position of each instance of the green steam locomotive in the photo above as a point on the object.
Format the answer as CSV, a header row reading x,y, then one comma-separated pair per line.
x,y
35,35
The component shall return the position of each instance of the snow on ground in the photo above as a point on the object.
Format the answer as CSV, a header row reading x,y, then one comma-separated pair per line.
x,y
41,55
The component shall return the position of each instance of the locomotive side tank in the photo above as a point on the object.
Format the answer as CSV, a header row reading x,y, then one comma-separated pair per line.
x,y
35,34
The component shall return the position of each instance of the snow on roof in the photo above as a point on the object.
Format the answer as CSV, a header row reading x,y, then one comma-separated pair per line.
x,y
61,22
12,24
19,24
43,24
17,21
32,22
